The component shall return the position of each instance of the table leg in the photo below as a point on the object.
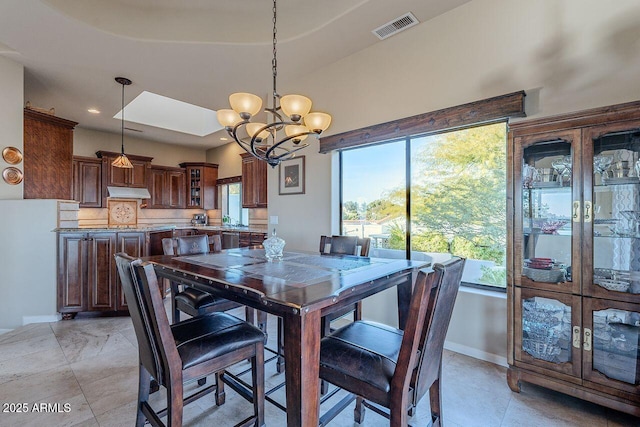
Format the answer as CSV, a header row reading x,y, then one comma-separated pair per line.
x,y
302,364
404,299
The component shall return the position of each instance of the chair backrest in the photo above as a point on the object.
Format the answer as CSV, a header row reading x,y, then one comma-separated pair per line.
x,y
430,312
191,245
170,244
156,345
345,245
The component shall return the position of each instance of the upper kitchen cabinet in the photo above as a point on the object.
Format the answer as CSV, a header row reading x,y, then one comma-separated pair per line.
x,y
167,188
254,182
123,177
87,181
201,185
48,156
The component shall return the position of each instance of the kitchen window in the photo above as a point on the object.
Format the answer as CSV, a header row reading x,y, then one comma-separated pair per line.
x,y
231,201
432,196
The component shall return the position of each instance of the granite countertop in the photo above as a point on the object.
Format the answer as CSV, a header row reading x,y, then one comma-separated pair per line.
x,y
151,228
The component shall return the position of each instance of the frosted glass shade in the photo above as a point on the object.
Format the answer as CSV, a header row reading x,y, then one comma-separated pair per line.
x,y
253,128
243,102
291,130
295,105
122,161
228,118
317,122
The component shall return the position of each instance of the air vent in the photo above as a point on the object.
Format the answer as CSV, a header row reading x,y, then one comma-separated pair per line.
x,y
394,27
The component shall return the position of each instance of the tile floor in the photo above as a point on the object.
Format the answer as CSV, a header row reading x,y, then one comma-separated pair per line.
x,y
91,365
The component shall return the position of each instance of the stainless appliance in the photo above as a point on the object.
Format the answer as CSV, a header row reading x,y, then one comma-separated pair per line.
x,y
200,219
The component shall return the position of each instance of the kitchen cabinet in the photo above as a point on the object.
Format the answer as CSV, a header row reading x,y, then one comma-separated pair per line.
x,y
87,182
573,250
48,156
201,185
254,182
112,176
251,238
87,276
167,188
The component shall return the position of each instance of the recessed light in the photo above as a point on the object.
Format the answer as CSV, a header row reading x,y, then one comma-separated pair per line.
x,y
93,111
224,139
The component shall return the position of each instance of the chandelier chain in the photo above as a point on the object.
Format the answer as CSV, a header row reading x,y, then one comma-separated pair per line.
x,y
274,61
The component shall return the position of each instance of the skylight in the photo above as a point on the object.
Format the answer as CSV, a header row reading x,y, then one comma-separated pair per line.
x,y
167,113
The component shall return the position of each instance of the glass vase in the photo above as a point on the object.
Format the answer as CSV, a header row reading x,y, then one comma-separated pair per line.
x,y
273,247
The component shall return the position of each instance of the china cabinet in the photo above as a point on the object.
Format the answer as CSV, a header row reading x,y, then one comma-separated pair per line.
x,y
201,185
574,255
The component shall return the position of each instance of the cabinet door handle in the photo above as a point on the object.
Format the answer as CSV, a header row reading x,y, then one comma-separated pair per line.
x,y
588,212
576,211
587,339
576,336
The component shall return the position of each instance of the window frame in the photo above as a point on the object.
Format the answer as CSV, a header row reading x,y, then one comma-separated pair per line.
x,y
408,183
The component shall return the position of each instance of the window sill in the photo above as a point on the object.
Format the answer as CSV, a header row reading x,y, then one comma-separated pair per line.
x,y
498,293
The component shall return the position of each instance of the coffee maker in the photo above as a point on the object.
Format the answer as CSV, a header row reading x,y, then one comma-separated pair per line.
x,y
200,219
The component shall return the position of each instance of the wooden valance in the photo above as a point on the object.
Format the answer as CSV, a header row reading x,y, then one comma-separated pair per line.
x,y
474,113
229,180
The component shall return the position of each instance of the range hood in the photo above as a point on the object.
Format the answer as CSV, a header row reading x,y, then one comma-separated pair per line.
x,y
128,193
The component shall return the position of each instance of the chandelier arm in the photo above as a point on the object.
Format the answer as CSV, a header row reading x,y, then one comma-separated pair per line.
x,y
288,138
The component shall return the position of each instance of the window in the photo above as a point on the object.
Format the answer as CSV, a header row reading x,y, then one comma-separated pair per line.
x,y
232,211
432,196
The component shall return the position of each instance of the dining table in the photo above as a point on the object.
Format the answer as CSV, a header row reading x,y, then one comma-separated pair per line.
x,y
300,288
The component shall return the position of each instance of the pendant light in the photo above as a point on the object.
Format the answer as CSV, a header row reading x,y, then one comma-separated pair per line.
x,y
122,161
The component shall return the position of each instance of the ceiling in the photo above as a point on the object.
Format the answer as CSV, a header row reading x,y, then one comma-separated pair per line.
x,y
196,51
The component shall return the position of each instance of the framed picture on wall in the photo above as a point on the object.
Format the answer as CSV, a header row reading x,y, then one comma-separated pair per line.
x,y
292,176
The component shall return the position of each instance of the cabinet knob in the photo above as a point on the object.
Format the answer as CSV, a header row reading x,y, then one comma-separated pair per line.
x,y
576,336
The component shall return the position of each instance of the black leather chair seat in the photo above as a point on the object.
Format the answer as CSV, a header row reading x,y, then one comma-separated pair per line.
x,y
363,355
205,337
195,298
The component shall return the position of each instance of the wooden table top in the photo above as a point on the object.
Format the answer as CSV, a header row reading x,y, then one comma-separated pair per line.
x,y
300,280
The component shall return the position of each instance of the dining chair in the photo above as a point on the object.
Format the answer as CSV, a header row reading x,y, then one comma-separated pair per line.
x,y
331,245
389,370
190,300
185,351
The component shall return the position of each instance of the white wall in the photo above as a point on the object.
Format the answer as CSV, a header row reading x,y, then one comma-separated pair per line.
x,y
568,55
87,141
11,118
28,263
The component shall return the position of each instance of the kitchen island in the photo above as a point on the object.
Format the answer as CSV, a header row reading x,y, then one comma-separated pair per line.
x,y
87,279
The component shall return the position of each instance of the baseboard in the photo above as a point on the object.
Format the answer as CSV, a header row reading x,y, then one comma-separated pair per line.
x,y
476,354
41,319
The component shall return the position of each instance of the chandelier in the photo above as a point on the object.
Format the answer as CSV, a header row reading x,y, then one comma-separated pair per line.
x,y
290,113
122,161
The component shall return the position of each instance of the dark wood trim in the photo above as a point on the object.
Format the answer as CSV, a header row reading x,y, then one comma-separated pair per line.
x,y
102,154
474,113
229,180
579,119
48,118
197,164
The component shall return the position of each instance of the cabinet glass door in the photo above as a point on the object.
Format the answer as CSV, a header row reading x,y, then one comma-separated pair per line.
x,y
547,330
616,216
545,215
612,356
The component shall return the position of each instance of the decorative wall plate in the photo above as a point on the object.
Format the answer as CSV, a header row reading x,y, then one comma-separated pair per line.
x,y
122,212
12,155
12,176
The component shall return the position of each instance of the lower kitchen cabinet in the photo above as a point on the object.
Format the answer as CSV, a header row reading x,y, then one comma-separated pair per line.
x,y
88,280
